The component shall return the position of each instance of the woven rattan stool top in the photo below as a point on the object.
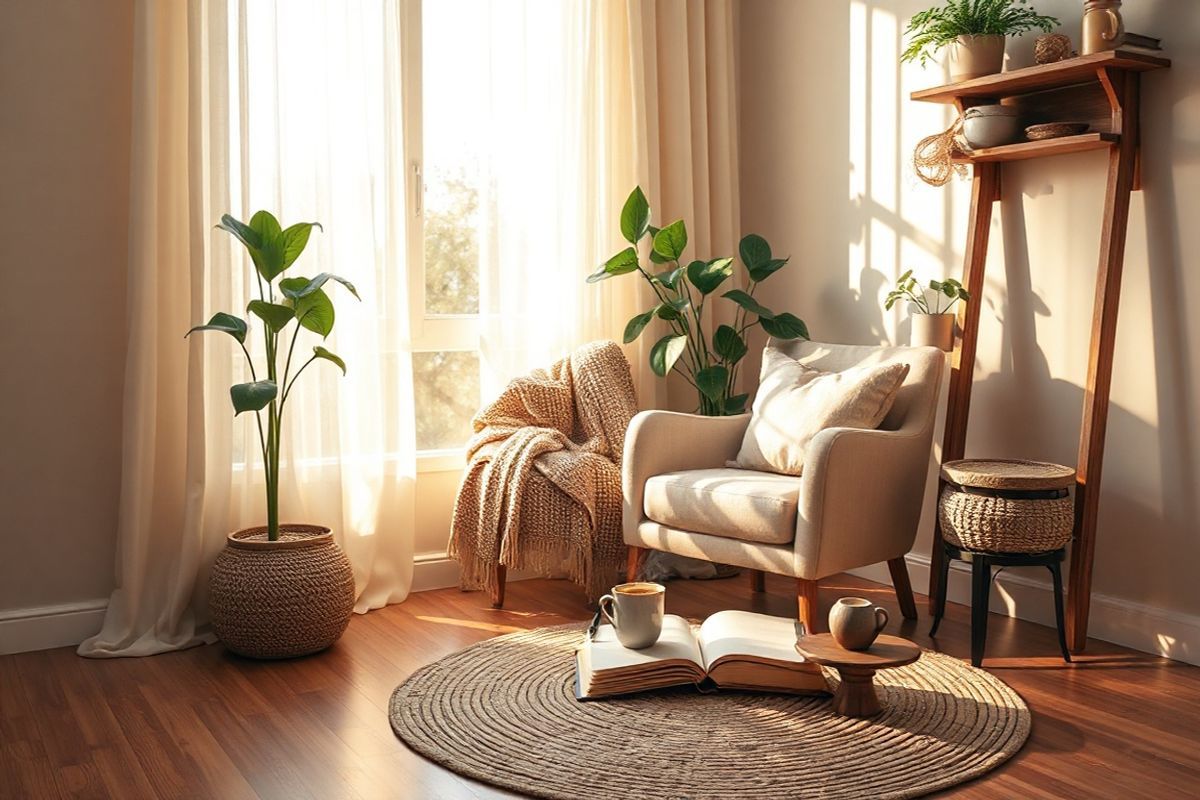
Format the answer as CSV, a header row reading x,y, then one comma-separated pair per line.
x,y
1012,474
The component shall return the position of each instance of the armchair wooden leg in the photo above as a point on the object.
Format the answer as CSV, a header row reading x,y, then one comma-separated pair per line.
x,y
806,598
498,588
758,580
903,587
633,566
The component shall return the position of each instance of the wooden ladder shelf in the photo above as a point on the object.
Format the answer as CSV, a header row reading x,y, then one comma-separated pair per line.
x,y
1101,89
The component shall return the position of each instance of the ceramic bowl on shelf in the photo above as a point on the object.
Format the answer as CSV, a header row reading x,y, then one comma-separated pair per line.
x,y
1053,130
991,126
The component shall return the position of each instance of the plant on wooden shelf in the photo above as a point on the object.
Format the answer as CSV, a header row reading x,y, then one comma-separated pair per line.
x,y
932,318
973,31
296,572
710,365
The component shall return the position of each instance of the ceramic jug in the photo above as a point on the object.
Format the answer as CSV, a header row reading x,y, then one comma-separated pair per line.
x,y
1103,28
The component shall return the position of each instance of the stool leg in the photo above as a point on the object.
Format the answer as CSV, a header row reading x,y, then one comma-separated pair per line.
x,y
939,599
1056,574
981,572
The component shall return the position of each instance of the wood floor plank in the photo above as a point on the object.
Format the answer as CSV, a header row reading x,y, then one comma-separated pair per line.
x,y
205,723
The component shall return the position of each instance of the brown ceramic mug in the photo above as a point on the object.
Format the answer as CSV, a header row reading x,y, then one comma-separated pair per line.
x,y
855,622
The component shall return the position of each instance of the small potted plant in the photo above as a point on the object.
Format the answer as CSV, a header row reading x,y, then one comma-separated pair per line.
x,y
932,321
709,363
278,590
973,31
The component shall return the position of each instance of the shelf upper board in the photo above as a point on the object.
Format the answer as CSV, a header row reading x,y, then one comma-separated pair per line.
x,y
1042,76
1045,147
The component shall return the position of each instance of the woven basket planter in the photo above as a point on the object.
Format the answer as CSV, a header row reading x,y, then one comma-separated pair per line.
x,y
281,599
1005,525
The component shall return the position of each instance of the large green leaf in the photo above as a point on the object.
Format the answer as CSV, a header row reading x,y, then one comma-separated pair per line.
x,y
749,303
754,251
785,326
729,344
296,288
268,257
767,269
635,326
666,352
673,309
623,262
315,312
708,275
276,316
252,396
243,232
321,352
295,239
711,381
736,404
226,323
635,216
670,277
670,242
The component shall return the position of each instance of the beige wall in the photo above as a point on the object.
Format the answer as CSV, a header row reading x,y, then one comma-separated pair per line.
x,y
827,134
65,82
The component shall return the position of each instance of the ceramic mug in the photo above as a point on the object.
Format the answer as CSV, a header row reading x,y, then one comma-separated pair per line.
x,y
635,611
855,622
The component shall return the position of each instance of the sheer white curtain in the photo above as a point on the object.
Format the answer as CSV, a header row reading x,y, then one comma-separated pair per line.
x,y
557,160
586,100
293,107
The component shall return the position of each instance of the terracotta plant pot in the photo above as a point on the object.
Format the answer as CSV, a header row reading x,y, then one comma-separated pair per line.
x,y
976,56
281,599
933,330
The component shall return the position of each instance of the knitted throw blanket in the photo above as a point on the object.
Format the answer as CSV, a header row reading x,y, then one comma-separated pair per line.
x,y
542,489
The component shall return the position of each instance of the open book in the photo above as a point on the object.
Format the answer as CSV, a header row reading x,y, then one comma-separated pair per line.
x,y
731,650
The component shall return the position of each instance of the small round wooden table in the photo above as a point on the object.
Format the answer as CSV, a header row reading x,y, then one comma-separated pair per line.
x,y
855,696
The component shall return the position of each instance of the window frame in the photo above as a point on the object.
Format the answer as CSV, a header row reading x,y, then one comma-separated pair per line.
x,y
428,332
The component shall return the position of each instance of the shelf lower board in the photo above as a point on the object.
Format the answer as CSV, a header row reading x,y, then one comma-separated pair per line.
x,y
1047,147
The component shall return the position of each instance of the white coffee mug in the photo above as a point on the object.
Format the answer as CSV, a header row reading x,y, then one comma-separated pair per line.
x,y
635,611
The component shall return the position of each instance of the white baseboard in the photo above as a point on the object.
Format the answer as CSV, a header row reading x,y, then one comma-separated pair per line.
x,y
42,628
439,571
1112,619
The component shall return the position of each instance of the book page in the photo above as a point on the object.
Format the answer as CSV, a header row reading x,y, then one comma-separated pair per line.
x,y
744,633
677,642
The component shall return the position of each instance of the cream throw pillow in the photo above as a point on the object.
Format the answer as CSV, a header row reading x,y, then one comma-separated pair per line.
x,y
795,403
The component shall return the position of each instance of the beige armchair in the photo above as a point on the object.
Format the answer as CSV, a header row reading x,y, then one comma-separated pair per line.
x,y
858,501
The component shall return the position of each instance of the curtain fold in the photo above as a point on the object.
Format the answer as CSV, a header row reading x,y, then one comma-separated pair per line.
x,y
684,119
305,122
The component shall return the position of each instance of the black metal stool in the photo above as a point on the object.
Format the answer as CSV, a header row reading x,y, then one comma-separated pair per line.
x,y
981,585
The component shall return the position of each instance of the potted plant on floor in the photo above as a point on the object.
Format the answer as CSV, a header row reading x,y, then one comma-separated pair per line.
x,y
932,320
974,33
709,364
279,590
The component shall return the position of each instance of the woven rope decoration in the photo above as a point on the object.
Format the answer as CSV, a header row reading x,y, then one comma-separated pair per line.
x,y
1051,47
504,712
933,156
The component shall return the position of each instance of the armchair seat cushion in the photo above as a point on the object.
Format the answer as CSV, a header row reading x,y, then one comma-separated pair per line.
x,y
733,503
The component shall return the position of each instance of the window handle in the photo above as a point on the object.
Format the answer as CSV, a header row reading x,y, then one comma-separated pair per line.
x,y
418,187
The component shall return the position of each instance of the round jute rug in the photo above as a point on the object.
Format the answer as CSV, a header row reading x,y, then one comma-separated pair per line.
x,y
504,712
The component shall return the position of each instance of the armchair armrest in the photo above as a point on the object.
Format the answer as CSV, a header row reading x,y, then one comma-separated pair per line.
x,y
860,498
666,441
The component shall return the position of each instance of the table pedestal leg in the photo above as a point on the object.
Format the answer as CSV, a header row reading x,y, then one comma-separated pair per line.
x,y
855,696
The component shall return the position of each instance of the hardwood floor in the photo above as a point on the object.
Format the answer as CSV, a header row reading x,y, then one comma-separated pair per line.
x,y
203,723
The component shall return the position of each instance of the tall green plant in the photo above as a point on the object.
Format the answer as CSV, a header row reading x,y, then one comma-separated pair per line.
x,y
273,249
709,365
935,28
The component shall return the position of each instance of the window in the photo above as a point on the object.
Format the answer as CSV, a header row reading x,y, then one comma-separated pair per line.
x,y
445,247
